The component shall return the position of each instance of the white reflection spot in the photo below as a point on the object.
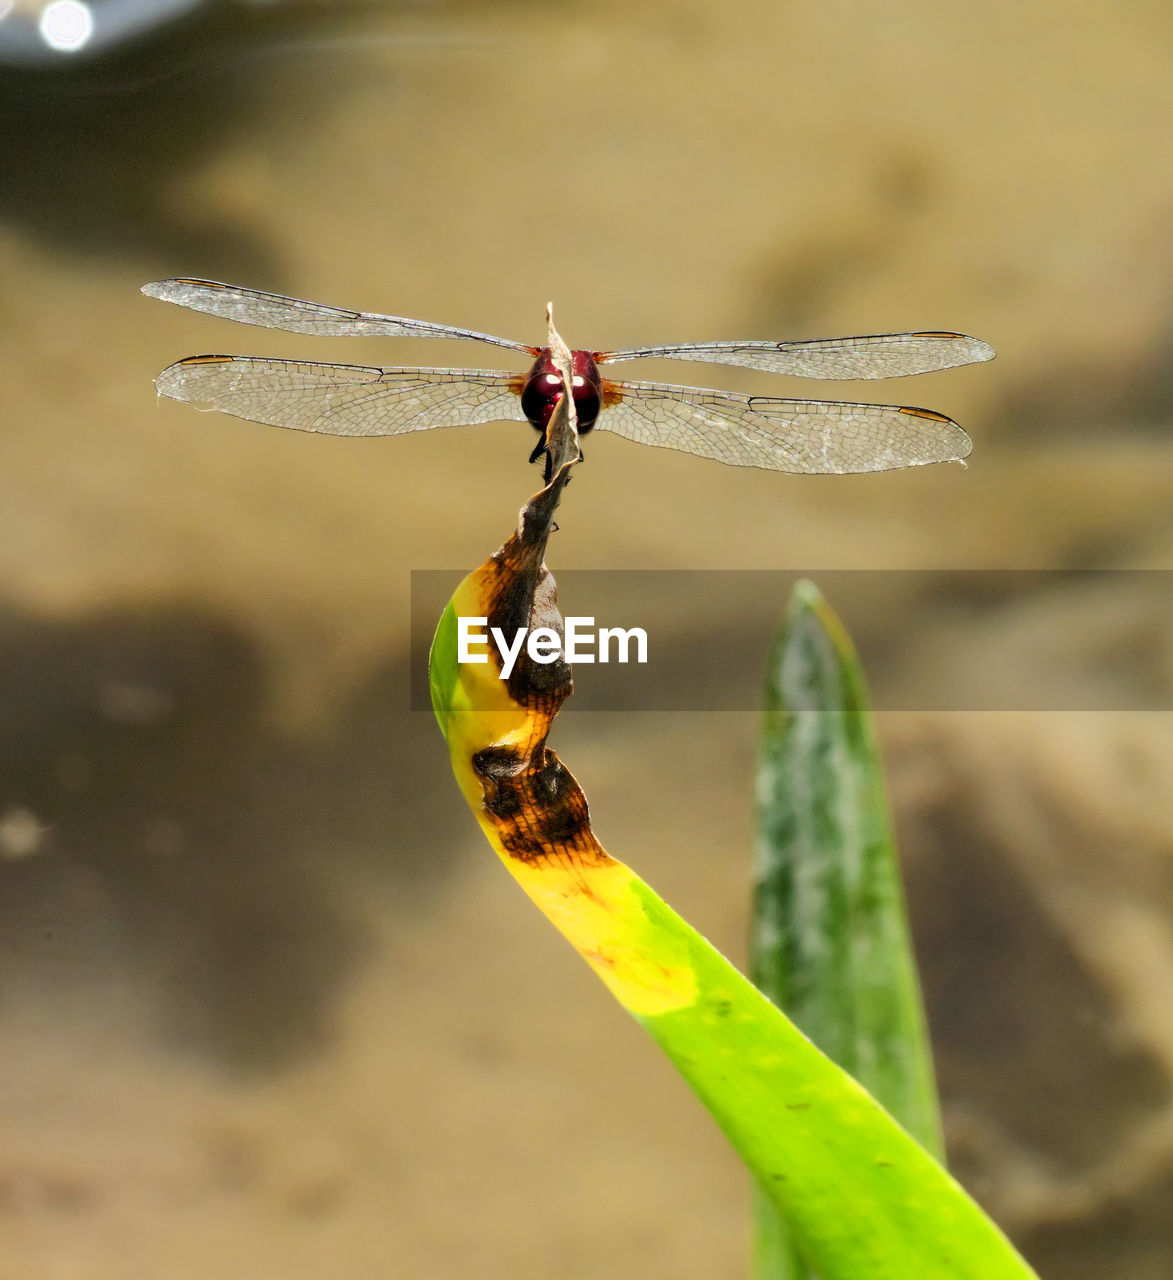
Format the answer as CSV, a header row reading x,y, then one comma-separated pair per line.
x,y
66,25
5,9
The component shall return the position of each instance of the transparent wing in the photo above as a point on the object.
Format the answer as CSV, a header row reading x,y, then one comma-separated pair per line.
x,y
274,311
342,399
815,437
880,355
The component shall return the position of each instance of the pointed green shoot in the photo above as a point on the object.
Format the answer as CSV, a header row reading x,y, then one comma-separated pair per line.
x,y
830,943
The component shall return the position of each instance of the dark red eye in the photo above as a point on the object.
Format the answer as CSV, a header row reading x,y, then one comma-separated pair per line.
x,y
542,388
588,390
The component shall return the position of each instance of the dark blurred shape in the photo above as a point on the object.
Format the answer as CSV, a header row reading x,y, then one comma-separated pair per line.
x,y
158,832
1011,1003
1127,1235
1025,870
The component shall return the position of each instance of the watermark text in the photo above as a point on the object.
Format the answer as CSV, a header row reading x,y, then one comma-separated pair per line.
x,y
582,643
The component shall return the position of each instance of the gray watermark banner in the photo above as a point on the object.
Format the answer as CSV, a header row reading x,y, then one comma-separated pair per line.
x,y
930,640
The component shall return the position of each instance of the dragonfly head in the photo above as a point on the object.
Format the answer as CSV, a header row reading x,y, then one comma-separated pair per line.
x,y
543,386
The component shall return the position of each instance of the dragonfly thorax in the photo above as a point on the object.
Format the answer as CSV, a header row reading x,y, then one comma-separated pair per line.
x,y
543,386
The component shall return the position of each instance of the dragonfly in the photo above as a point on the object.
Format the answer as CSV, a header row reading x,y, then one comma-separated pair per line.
x,y
799,436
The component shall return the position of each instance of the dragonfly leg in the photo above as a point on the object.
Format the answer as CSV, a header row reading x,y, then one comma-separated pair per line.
x,y
548,473
542,447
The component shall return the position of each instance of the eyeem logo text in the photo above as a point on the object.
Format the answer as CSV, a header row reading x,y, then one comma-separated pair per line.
x,y
544,645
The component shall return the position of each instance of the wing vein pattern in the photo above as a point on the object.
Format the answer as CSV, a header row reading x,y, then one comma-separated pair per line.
x,y
295,315
342,399
813,437
881,355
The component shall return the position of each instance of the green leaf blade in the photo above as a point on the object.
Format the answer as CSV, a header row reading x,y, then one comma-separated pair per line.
x,y
830,941
864,1199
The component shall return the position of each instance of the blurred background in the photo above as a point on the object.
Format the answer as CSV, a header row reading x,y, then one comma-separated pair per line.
x,y
268,1005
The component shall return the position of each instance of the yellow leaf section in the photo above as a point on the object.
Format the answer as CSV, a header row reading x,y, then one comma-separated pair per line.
x,y
535,816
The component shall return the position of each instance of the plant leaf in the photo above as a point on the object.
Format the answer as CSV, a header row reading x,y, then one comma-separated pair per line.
x,y
830,942
862,1198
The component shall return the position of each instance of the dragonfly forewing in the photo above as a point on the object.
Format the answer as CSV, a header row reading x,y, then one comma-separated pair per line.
x,y
294,315
881,355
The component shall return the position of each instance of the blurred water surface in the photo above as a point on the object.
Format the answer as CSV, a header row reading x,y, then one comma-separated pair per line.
x,y
267,1008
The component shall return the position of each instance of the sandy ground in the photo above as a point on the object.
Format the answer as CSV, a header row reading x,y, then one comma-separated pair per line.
x,y
268,1008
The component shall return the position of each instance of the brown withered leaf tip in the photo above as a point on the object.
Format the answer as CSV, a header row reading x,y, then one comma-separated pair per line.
x,y
539,810
523,592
